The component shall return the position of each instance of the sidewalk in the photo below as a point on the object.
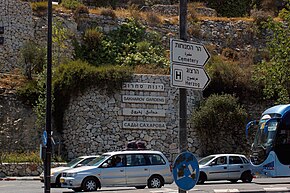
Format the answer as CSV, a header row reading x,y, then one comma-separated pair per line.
x,y
24,178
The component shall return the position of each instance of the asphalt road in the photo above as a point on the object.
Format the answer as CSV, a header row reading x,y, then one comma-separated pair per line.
x,y
258,185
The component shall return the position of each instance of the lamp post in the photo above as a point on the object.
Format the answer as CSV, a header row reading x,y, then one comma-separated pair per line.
x,y
47,160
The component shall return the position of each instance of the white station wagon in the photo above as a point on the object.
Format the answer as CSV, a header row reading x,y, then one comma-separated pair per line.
x,y
232,167
123,168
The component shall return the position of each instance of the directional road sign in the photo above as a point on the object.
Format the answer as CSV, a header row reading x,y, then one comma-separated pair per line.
x,y
44,138
189,77
185,171
188,53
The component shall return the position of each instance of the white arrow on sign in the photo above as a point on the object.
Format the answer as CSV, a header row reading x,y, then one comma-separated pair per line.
x,y
188,53
189,77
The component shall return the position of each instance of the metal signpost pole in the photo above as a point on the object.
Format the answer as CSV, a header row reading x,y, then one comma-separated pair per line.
x,y
182,91
47,160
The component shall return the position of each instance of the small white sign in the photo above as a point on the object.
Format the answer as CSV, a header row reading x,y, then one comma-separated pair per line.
x,y
189,77
143,125
143,86
144,112
188,53
143,99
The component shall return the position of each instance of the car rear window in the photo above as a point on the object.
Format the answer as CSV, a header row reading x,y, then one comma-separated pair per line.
x,y
235,160
155,159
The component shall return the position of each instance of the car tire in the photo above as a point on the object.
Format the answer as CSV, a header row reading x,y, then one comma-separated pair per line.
x,y
90,184
202,178
77,189
57,181
155,182
140,187
247,177
233,181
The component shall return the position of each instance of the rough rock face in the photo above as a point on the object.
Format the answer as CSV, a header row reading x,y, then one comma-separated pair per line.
x,y
96,122
16,18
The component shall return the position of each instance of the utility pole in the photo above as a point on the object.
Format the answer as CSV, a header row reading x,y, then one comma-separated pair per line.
x,y
47,160
182,91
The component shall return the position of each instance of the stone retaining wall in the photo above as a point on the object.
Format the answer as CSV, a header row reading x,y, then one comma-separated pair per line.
x,y
23,169
96,122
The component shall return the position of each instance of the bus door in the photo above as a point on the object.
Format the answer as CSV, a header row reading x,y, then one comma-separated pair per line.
x,y
282,147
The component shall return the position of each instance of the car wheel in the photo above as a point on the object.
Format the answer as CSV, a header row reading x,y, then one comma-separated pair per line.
x,y
140,187
57,181
233,181
90,184
154,182
202,178
247,177
77,189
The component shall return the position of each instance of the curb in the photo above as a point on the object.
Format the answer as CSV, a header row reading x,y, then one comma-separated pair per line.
x,y
19,178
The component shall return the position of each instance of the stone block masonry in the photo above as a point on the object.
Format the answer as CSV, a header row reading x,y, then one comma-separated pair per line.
x,y
95,123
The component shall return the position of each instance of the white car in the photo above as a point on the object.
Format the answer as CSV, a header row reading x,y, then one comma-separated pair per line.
x,y
138,168
55,173
232,167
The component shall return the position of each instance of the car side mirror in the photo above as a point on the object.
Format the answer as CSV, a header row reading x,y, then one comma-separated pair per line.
x,y
212,163
79,165
105,165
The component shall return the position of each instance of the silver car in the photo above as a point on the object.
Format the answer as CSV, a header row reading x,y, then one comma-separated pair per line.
x,y
123,168
232,167
55,173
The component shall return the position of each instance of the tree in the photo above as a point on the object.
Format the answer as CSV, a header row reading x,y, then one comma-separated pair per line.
x,y
274,74
33,58
219,124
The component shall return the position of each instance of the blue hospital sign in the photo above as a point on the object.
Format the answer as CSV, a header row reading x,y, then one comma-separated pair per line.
x,y
185,171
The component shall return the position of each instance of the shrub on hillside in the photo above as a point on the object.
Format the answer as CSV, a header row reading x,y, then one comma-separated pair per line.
x,y
230,8
71,4
219,124
229,77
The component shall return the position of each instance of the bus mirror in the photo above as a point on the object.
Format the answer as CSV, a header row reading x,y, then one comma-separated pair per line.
x,y
250,124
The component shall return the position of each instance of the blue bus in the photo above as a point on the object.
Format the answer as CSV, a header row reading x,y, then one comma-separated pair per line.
x,y
270,152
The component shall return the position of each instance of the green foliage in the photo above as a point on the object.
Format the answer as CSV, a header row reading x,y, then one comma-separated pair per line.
x,y
33,58
229,77
59,35
39,8
219,123
71,4
29,92
130,44
76,76
95,49
230,8
274,74
32,157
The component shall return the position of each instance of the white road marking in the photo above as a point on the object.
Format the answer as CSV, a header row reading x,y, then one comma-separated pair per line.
x,y
276,189
226,190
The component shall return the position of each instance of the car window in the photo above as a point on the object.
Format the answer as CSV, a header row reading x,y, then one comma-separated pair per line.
x,y
135,160
156,159
205,160
245,160
220,160
235,160
116,161
86,161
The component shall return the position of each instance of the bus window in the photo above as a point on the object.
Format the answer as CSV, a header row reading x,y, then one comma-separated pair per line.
x,y
282,147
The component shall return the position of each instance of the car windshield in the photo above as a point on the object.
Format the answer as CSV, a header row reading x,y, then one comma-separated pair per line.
x,y
98,160
74,162
205,160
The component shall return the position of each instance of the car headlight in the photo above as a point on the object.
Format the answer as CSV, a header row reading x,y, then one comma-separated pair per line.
x,y
71,174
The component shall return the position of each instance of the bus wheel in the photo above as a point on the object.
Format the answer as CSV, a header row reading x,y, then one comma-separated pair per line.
x,y
247,177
